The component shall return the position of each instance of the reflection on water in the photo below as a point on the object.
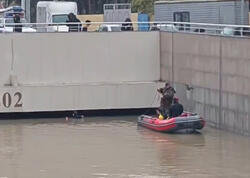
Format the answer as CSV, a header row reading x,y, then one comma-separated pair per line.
x,y
116,147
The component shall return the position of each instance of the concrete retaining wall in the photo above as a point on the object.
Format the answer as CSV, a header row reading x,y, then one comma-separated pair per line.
x,y
217,70
69,71
85,57
127,95
236,84
6,59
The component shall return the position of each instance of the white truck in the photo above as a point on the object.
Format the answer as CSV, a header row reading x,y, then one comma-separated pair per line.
x,y
54,12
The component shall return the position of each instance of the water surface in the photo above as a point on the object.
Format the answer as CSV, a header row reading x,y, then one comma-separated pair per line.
x,y
103,147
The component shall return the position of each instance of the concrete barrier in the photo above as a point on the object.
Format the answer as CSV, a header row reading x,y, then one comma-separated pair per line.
x,y
123,95
79,71
235,84
6,59
211,76
86,57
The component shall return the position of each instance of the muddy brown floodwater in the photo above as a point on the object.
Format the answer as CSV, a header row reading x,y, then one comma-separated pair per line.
x,y
103,147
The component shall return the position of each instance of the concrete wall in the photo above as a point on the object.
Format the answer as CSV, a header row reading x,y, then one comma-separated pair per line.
x,y
68,71
6,59
80,57
235,84
217,69
37,98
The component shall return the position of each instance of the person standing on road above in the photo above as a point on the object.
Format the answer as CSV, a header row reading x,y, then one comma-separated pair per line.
x,y
74,23
128,25
87,24
18,26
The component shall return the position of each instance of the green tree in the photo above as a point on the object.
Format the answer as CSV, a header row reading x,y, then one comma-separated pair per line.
x,y
143,6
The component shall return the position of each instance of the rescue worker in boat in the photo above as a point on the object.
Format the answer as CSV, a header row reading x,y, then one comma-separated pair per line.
x,y
167,93
176,108
162,110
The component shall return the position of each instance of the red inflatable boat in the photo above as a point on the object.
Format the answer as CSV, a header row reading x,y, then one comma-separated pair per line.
x,y
185,121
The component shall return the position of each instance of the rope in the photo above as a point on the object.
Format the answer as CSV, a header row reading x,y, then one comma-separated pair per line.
x,y
154,100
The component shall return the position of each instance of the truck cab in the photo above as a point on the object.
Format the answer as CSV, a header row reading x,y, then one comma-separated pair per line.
x,y
52,15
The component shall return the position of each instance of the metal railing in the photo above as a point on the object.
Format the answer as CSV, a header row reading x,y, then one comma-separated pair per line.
x,y
176,27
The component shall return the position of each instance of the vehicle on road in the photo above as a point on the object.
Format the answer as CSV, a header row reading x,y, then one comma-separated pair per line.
x,y
49,12
7,19
167,27
109,28
7,25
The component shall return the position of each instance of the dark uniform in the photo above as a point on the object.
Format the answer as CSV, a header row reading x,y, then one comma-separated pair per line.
x,y
175,110
74,23
18,26
163,107
166,100
127,26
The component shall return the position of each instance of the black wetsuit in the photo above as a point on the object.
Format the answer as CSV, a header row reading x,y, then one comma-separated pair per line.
x,y
175,110
166,100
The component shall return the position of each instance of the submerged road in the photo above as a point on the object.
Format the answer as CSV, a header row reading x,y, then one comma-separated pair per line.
x,y
103,147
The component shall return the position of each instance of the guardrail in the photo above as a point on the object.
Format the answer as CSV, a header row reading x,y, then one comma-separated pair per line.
x,y
200,28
